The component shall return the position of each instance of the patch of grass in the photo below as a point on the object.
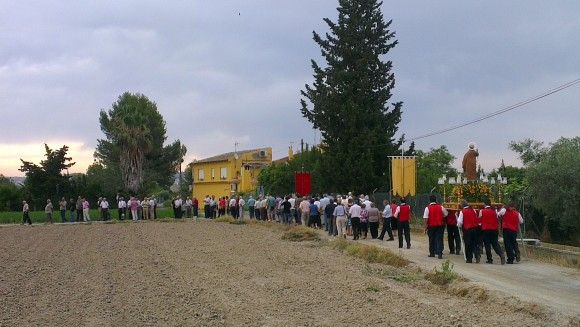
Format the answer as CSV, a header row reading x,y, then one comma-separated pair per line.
x,y
406,278
444,276
373,288
371,254
230,220
300,233
468,290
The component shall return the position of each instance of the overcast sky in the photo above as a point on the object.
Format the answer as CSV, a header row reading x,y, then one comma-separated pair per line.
x,y
231,71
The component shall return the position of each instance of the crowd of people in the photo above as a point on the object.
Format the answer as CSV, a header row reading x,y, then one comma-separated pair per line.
x,y
340,215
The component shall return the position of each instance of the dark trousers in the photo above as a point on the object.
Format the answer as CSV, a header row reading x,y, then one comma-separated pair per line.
x,y
374,227
206,211
489,241
355,221
471,241
195,211
453,239
510,241
403,228
80,214
435,240
63,216
121,212
26,218
364,228
213,211
257,213
252,211
386,228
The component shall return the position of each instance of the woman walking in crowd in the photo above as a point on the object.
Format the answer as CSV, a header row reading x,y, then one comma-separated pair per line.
x,y
364,221
85,206
314,219
374,217
26,213
134,205
340,218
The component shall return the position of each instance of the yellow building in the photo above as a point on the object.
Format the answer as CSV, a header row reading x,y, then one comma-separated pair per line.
x,y
229,173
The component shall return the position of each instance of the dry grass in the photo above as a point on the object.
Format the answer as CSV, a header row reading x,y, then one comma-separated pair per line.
x,y
300,233
468,290
229,220
551,257
371,254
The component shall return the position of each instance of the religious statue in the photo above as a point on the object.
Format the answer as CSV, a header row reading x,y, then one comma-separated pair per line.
x,y
470,163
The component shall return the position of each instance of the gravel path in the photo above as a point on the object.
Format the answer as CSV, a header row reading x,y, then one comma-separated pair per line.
x,y
213,274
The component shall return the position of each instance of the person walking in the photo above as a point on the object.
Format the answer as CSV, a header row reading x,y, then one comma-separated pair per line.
x,y
394,220
374,217
26,213
330,223
122,208
80,215
286,212
387,216
314,219
355,213
469,222
145,205
62,209
241,204
48,211
134,206
105,209
195,205
252,207
453,238
72,206
434,226
364,220
340,218
188,207
304,211
86,207
403,216
511,222
489,231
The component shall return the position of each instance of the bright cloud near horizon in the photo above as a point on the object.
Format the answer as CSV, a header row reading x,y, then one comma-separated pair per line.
x,y
223,72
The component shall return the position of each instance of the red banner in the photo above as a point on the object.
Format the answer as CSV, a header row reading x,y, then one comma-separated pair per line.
x,y
303,183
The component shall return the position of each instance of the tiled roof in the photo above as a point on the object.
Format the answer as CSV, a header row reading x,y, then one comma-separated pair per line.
x,y
226,156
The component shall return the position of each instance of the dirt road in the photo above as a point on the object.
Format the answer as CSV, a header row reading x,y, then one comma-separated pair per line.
x,y
553,286
214,274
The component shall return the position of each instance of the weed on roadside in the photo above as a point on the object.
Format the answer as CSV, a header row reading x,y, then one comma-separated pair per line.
x,y
300,233
444,276
371,254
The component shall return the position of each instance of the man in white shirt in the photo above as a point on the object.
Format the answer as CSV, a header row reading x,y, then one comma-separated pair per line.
x,y
105,209
241,204
292,201
177,204
355,211
26,213
122,208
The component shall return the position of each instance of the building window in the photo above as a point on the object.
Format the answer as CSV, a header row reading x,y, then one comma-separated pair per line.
x,y
223,173
212,173
200,175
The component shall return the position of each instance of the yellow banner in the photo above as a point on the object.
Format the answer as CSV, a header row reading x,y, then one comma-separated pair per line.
x,y
403,176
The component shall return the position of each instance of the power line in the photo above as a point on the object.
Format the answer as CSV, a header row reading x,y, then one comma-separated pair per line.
x,y
501,111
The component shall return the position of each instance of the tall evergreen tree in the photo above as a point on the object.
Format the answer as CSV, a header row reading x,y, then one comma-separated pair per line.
x,y
349,98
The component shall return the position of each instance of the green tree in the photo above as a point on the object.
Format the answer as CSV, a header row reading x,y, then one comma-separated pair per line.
x,y
10,195
530,151
47,180
555,187
350,98
431,165
135,134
